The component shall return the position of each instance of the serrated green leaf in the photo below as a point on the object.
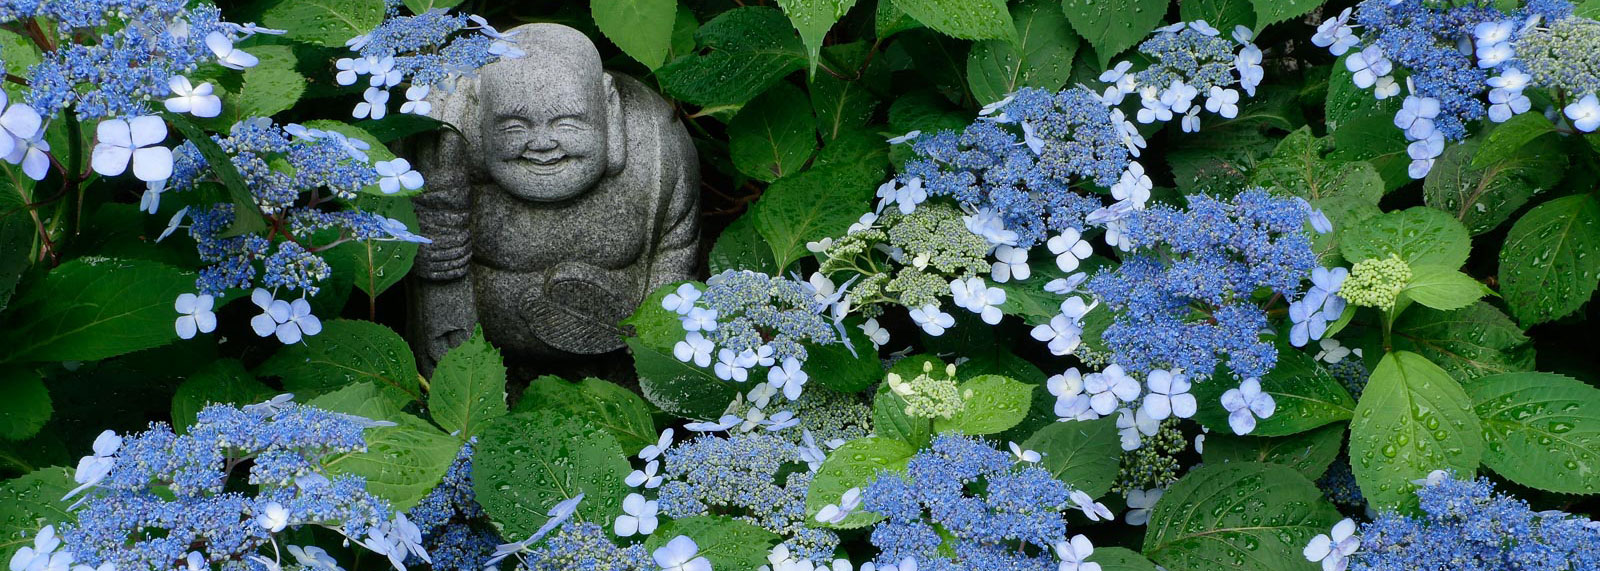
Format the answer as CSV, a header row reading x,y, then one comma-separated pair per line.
x,y
1297,167
1542,430
855,465
326,22
773,135
1041,56
1120,559
1442,287
1372,137
267,88
30,503
1084,453
345,353
727,543
677,387
1412,419
420,6
1483,198
604,404
655,325
1345,101
890,420
375,265
25,407
964,19
642,28
993,404
468,388
845,369
223,381
1270,12
889,20
813,18
751,49
1245,516
817,203
1550,264
1509,137
1112,27
1419,235
1221,14
1468,343
401,463
94,308
740,247
1309,453
1306,394
528,462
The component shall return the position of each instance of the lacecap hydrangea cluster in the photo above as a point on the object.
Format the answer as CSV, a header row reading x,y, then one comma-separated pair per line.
x,y
756,477
746,319
1465,525
1012,523
419,51
156,497
1184,299
455,530
1464,61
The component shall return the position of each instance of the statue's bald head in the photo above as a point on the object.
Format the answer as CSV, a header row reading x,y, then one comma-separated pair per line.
x,y
551,119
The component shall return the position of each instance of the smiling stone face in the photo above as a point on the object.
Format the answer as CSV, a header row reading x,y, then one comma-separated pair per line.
x,y
547,140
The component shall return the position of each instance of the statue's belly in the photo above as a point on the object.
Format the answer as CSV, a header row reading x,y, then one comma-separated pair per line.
x,y
512,236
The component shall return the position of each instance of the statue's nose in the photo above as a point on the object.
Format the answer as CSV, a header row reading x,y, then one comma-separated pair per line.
x,y
542,143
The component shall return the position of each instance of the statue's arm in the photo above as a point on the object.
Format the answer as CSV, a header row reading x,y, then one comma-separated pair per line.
x,y
677,250
444,309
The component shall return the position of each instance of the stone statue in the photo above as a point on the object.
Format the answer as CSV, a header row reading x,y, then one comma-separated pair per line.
x,y
561,197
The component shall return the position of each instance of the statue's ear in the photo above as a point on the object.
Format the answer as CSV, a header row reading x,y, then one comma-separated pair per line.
x,y
616,129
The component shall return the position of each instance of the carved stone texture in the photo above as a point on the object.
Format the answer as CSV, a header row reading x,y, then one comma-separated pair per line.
x,y
561,197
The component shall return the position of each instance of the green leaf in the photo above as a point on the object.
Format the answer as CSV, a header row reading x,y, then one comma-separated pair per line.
x,y
751,49
1510,137
889,20
326,22
1120,559
855,465
32,502
837,367
964,19
1297,168
420,6
402,463
657,326
1309,453
347,352
1550,263
844,104
1084,453
1041,56
773,135
678,387
93,308
528,462
1346,102
1413,419
1542,430
468,387
603,403
642,28
1468,343
246,215
813,18
924,111
270,87
1419,235
222,381
993,404
1306,394
1483,198
1372,137
740,247
1245,516
377,265
1443,287
890,420
1270,12
1114,26
817,203
26,406
1221,14
728,543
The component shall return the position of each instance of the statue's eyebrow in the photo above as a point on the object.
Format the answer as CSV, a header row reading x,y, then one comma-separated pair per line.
x,y
562,108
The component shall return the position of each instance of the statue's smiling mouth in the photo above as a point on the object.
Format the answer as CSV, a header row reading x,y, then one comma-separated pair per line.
x,y
544,163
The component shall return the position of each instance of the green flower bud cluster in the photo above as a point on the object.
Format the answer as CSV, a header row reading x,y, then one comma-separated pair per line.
x,y
1563,55
929,395
1155,464
828,415
908,259
1376,282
